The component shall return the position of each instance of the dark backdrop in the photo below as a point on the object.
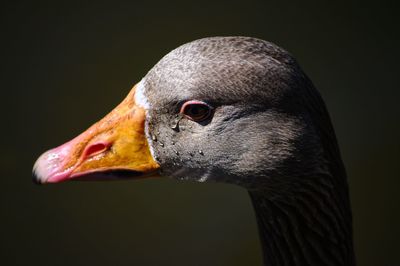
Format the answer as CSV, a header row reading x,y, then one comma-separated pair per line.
x,y
65,65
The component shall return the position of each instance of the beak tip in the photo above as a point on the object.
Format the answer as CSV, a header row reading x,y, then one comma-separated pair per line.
x,y
35,178
39,175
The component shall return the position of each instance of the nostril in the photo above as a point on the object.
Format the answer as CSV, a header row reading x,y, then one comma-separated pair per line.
x,y
96,148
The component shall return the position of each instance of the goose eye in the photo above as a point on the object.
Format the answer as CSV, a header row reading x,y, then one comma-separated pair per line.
x,y
196,110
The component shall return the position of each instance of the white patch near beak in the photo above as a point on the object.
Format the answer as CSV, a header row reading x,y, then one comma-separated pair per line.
x,y
140,98
142,101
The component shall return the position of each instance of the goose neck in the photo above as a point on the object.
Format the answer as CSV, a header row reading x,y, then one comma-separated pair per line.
x,y
309,225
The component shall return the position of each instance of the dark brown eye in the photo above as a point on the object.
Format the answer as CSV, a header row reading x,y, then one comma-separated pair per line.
x,y
196,110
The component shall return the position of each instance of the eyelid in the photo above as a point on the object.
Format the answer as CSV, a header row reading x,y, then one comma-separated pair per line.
x,y
194,102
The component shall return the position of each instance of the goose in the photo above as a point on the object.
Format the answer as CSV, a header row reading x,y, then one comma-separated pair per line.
x,y
237,110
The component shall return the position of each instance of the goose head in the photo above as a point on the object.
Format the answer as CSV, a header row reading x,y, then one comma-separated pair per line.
x,y
229,109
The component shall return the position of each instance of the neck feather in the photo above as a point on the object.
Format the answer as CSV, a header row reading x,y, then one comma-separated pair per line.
x,y
309,225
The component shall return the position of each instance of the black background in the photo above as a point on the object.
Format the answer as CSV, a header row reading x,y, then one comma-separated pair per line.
x,y
65,65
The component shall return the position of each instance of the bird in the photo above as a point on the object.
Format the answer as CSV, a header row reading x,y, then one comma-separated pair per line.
x,y
237,110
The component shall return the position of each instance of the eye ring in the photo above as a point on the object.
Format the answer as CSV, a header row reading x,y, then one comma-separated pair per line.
x,y
196,110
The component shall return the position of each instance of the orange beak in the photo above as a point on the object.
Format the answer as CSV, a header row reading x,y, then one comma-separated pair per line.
x,y
114,147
